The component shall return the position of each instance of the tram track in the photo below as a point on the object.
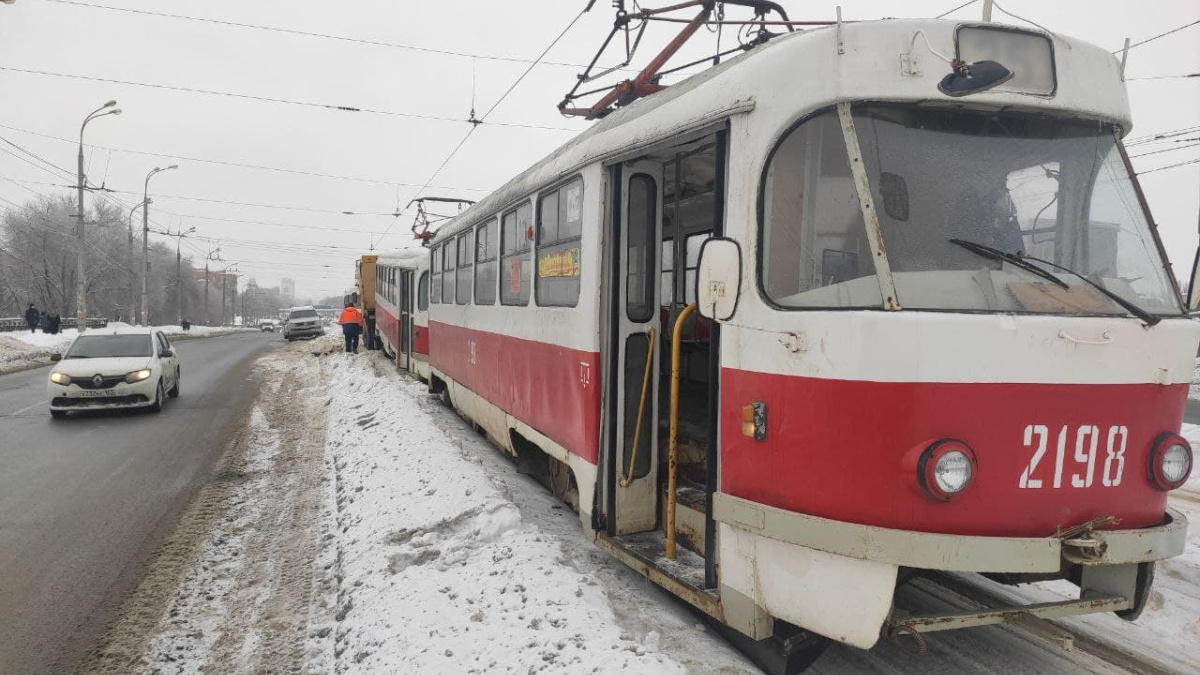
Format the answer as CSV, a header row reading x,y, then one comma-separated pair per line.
x,y
1051,630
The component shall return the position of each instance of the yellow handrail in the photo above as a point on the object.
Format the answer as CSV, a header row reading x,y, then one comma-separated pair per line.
x,y
672,462
627,477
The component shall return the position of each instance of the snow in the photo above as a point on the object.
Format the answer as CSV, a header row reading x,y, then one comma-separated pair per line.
x,y
439,570
22,349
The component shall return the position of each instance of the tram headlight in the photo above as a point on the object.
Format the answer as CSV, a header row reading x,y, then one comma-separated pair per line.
x,y
946,469
1170,462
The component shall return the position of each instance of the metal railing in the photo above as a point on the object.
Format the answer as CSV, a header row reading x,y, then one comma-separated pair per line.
x,y
18,324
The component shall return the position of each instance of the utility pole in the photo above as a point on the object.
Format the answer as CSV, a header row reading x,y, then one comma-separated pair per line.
x,y
80,281
178,269
207,313
132,270
146,241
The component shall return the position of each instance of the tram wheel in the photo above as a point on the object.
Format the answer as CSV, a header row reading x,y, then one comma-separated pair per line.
x,y
561,483
789,651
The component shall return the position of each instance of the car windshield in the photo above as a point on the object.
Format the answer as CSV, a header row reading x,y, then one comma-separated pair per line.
x,y
1050,188
109,346
303,314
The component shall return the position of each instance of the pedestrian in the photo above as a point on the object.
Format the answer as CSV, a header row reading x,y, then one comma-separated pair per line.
x,y
352,324
55,323
186,325
32,317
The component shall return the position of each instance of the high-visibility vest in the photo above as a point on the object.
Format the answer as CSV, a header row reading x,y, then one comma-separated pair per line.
x,y
350,315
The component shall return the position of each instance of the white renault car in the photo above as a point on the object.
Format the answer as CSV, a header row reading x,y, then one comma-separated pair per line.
x,y
113,368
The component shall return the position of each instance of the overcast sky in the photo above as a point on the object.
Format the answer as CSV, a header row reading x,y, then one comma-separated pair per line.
x,y
391,150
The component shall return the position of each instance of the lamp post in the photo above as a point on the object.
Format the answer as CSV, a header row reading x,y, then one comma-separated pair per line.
x,y
81,283
132,268
146,240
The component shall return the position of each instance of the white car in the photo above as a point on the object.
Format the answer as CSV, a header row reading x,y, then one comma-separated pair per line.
x,y
108,369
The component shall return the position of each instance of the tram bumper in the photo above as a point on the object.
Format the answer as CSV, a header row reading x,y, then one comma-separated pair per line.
x,y
765,550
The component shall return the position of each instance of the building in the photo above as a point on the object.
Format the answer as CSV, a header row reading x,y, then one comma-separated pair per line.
x,y
287,290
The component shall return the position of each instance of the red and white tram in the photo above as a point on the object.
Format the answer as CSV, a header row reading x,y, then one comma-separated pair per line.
x,y
402,309
936,330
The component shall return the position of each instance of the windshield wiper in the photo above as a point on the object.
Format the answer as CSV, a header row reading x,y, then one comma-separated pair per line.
x,y
1146,317
1022,261
1010,258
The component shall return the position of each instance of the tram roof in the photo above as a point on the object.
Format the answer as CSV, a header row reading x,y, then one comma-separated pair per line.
x,y
1088,85
408,257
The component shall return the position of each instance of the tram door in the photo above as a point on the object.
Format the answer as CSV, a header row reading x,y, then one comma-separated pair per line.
x,y
405,296
635,315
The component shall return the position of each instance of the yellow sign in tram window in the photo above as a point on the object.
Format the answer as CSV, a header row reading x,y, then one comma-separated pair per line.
x,y
561,264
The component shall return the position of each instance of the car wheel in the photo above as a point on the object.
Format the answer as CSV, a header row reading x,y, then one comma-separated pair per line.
x,y
173,392
157,406
58,414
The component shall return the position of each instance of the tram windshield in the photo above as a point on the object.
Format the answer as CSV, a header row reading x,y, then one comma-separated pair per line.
x,y
1048,187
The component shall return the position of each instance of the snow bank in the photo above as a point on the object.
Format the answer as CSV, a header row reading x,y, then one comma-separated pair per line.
x,y
436,570
22,349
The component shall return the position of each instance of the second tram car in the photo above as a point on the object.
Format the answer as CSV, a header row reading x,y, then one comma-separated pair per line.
x,y
808,323
402,309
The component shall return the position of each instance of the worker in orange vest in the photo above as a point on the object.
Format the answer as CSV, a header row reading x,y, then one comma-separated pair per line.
x,y
352,324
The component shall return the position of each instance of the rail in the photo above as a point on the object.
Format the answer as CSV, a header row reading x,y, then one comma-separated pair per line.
x,y
672,459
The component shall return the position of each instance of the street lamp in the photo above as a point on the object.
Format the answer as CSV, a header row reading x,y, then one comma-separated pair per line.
x,y
132,267
146,239
80,283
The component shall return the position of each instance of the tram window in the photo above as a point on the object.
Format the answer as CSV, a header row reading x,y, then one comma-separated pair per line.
x,y
449,253
666,288
560,226
462,294
514,261
814,244
694,243
485,263
639,258
435,275
423,293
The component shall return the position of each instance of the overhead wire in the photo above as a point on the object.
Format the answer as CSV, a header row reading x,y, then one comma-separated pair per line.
x,y
951,11
242,165
1160,35
490,110
313,34
271,99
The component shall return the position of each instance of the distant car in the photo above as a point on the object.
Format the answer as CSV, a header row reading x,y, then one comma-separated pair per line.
x,y
115,368
267,326
302,322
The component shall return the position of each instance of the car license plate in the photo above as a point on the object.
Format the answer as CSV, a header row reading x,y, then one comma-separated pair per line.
x,y
96,394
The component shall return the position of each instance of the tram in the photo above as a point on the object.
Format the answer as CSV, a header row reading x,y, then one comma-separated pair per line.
x,y
402,309
835,313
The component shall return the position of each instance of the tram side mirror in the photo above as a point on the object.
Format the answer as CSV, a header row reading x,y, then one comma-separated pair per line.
x,y
972,78
1193,294
719,278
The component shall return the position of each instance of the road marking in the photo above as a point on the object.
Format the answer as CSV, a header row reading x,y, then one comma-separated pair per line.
x,y
14,414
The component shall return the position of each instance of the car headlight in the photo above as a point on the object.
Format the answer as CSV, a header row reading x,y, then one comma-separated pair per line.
x,y
1170,462
946,469
60,378
138,375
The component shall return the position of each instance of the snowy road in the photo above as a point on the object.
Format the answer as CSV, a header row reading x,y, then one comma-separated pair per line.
x,y
84,501
362,527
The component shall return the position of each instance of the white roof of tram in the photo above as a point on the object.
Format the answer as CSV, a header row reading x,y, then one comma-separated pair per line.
x,y
409,258
1089,85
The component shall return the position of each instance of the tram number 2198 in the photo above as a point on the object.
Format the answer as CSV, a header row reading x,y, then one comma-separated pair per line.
x,y
1084,467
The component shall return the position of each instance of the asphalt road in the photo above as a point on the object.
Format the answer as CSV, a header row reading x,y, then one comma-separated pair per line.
x,y
85,501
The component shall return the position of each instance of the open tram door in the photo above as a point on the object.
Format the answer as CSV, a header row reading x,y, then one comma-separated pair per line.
x,y
662,207
405,293
636,218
